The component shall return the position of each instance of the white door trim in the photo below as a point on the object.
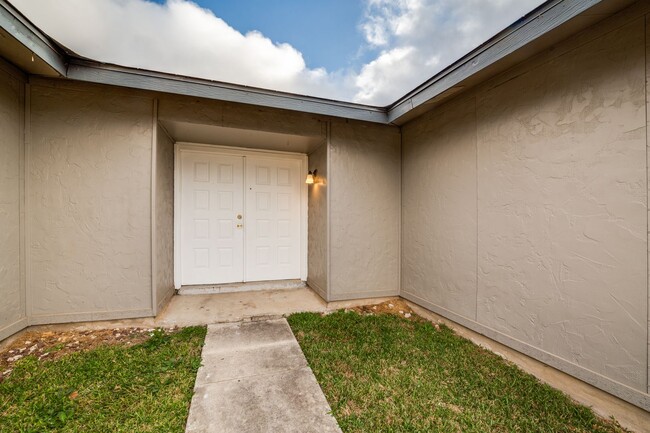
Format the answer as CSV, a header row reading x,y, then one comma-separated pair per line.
x,y
181,147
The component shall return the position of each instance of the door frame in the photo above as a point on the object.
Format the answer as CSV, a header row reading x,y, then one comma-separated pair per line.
x,y
183,147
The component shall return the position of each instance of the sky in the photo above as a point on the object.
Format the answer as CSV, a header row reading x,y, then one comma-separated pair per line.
x,y
365,51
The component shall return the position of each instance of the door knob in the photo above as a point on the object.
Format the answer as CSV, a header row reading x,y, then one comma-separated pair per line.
x,y
239,217
240,226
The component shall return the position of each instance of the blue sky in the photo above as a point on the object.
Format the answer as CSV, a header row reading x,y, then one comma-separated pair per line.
x,y
326,32
365,51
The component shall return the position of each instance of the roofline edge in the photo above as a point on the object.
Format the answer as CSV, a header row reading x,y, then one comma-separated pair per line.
x,y
540,21
99,73
18,26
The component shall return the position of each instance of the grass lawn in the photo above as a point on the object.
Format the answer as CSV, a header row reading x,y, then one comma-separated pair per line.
x,y
384,373
141,388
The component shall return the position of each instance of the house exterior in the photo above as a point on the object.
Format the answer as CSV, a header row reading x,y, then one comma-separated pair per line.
x,y
509,193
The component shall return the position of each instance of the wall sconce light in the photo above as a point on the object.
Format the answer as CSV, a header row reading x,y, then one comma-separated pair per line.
x,y
311,177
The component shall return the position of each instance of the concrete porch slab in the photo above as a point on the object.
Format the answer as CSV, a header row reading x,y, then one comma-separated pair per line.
x,y
234,307
254,378
246,306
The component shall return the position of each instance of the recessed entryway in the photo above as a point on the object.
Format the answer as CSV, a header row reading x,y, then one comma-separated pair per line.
x,y
241,215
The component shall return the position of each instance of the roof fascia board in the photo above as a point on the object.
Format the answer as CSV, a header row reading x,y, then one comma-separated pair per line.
x,y
99,73
541,21
31,37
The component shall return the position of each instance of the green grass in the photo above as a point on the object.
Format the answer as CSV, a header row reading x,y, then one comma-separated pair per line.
x,y
142,388
383,373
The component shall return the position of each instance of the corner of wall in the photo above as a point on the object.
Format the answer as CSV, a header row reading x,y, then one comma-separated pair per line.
x,y
13,308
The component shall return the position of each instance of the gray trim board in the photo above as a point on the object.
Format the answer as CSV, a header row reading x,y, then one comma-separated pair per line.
x,y
624,392
31,37
94,72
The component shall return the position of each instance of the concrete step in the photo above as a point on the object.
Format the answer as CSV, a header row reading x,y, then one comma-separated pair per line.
x,y
253,286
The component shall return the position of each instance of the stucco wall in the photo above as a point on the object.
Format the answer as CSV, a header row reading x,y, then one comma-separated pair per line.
x,y
231,115
12,293
364,189
164,218
89,203
647,70
525,209
439,208
317,226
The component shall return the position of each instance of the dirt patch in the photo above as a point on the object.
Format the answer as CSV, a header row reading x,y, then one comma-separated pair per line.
x,y
49,345
395,306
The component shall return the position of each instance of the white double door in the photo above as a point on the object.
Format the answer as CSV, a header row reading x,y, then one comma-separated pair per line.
x,y
240,218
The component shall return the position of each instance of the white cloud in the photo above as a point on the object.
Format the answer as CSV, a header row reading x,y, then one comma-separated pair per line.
x,y
414,40
421,37
178,37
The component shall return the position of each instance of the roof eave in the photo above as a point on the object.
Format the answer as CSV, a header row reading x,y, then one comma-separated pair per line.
x,y
454,79
496,54
103,73
42,46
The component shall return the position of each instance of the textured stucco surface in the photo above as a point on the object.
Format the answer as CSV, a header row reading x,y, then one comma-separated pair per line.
x,y
89,210
647,71
231,115
164,218
438,182
562,208
12,298
364,188
317,223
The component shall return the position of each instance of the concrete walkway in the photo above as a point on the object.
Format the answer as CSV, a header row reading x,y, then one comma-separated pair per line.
x,y
255,378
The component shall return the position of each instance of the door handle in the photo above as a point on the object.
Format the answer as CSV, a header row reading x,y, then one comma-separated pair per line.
x,y
240,226
239,216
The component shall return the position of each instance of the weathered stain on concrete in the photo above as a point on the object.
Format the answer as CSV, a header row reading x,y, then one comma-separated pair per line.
x,y
255,378
233,307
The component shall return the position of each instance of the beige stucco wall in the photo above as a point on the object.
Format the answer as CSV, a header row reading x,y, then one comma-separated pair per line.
x,y
12,293
241,116
647,70
527,199
89,203
439,208
364,189
317,224
164,219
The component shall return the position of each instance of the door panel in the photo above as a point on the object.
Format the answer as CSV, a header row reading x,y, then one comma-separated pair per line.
x,y
212,244
272,225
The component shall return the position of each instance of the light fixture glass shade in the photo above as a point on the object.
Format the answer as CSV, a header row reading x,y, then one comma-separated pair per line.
x,y
310,178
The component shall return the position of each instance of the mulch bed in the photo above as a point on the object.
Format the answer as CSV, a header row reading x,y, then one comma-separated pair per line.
x,y
49,345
